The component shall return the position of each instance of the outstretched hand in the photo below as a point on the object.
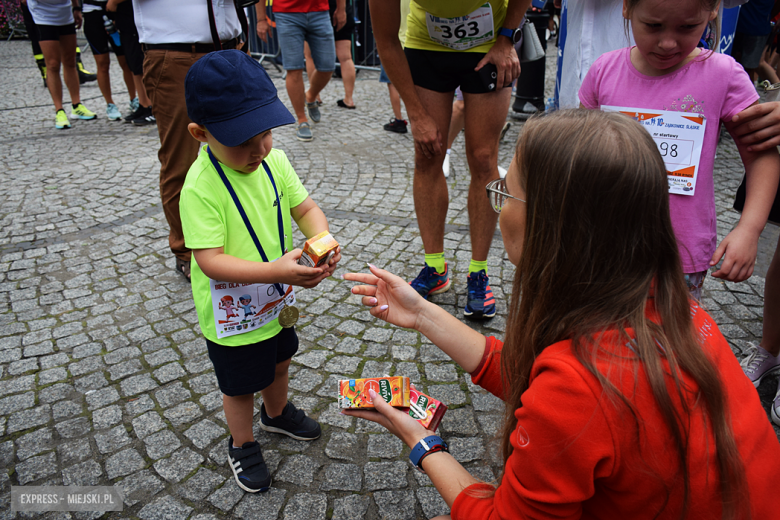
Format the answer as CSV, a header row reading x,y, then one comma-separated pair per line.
x,y
391,298
291,273
399,423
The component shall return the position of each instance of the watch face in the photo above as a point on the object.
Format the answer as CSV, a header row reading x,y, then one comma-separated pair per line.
x,y
517,35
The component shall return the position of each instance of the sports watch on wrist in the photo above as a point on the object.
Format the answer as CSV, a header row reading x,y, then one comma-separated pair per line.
x,y
514,35
430,444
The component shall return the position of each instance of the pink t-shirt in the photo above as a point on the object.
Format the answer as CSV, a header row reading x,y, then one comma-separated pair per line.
x,y
716,87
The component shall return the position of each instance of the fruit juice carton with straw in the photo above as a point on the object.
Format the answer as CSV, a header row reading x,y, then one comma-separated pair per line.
x,y
353,393
427,410
318,250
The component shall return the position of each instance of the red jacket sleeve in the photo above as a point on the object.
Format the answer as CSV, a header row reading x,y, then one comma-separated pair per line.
x,y
562,444
488,372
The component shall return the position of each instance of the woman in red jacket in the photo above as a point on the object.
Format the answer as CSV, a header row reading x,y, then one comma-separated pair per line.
x,y
623,400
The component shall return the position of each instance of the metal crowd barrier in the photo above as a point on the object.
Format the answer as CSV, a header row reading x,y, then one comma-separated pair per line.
x,y
364,51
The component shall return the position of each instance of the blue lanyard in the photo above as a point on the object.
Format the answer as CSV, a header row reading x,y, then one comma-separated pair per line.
x,y
240,208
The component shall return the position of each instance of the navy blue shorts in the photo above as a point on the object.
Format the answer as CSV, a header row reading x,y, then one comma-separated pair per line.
x,y
250,368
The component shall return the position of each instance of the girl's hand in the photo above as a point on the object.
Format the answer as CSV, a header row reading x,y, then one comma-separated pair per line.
x,y
397,422
293,274
391,298
333,262
740,249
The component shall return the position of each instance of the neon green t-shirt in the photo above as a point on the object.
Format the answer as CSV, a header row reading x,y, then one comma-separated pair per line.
x,y
209,219
417,30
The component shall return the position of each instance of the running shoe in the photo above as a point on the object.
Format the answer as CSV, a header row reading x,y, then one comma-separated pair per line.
x,y
396,125
775,408
480,304
429,281
134,104
113,113
445,167
759,363
82,112
304,132
61,120
84,74
314,111
145,117
249,467
292,422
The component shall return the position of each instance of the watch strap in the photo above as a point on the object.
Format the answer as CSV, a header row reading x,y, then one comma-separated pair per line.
x,y
509,33
425,446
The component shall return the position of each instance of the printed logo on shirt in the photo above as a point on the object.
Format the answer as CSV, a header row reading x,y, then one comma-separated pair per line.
x,y
281,196
522,437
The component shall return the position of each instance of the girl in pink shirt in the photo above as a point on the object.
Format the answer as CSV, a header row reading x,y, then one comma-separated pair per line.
x,y
666,71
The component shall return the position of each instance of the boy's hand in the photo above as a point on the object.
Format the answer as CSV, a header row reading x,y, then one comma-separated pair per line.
x,y
293,274
758,126
740,249
332,263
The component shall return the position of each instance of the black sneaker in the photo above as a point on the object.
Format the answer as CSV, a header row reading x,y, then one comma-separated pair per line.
x,y
135,114
249,467
292,422
145,117
396,125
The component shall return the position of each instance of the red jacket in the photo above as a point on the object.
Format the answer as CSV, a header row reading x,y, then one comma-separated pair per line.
x,y
576,455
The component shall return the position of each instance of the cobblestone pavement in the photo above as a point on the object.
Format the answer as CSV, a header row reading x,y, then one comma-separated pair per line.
x,y
104,376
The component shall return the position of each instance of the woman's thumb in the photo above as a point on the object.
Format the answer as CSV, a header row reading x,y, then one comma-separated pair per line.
x,y
379,403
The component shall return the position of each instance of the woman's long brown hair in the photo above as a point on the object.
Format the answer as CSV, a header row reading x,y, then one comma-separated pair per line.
x,y
598,236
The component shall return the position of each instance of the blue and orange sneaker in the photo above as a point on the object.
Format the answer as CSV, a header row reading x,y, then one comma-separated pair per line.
x,y
481,304
429,281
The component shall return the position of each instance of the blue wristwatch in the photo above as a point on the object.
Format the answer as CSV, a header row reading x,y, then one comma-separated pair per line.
x,y
514,35
425,446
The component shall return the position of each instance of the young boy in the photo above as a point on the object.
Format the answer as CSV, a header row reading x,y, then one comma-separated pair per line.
x,y
235,209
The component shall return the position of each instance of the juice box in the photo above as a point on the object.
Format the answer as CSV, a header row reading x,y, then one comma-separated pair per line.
x,y
318,250
353,393
427,410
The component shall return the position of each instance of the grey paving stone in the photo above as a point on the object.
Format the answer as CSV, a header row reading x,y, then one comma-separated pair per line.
x,y
305,380
403,352
36,468
124,369
106,417
226,497
342,446
201,484
459,421
73,451
161,444
169,372
312,358
23,366
306,506
146,424
385,446
375,350
93,381
396,505
352,507
431,502
172,394
349,346
140,487
429,353
204,433
178,465
467,449
343,364
442,372
448,394
385,475
31,418
124,463
17,384
298,469
14,403
261,506
342,477
183,413
139,405
203,384
165,508
376,368
82,474
112,440
137,384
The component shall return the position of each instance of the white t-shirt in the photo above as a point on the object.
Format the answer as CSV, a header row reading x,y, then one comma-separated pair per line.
x,y
184,21
51,12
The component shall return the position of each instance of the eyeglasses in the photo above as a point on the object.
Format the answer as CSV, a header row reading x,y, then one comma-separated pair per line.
x,y
496,192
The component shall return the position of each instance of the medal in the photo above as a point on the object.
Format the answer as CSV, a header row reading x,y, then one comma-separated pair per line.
x,y
288,316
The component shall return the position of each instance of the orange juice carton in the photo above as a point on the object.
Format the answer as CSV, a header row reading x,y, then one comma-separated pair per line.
x,y
353,393
318,250
427,410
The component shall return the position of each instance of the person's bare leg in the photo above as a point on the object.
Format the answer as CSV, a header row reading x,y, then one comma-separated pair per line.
x,y
395,101
344,54
765,70
317,81
296,93
771,336
103,62
431,197
239,414
485,115
52,55
309,64
127,75
143,99
275,395
69,71
457,122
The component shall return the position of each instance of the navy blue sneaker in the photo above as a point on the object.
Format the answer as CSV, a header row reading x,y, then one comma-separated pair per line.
x,y
429,281
249,467
292,422
481,304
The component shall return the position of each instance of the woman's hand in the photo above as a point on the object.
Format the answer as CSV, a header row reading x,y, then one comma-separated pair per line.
x,y
391,298
397,422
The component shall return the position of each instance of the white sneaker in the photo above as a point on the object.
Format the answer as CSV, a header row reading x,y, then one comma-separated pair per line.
x,y
446,166
501,172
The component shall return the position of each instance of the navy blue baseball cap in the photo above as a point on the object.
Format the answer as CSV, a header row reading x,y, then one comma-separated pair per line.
x,y
231,94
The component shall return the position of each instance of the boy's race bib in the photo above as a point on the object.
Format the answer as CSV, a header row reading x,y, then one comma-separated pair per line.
x,y
679,137
463,32
240,308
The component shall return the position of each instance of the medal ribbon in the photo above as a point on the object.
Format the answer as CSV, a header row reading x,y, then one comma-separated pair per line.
x,y
244,216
